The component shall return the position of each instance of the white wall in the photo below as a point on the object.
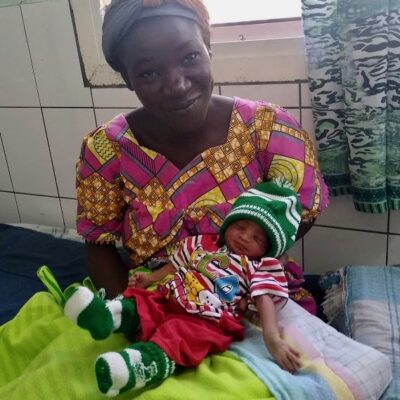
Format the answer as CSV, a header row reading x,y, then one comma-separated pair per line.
x,y
45,110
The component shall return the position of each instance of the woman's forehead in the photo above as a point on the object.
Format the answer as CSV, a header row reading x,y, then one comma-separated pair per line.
x,y
167,33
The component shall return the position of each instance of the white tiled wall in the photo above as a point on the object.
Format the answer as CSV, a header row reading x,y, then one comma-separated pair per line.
x,y
45,109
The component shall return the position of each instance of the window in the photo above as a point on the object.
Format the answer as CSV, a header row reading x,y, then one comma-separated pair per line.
x,y
254,25
228,11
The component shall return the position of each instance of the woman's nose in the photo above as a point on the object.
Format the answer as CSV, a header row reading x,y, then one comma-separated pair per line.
x,y
174,82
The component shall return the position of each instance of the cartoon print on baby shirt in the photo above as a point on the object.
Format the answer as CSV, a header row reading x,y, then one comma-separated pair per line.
x,y
227,288
197,293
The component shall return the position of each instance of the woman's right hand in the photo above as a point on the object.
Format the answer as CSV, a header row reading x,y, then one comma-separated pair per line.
x,y
140,280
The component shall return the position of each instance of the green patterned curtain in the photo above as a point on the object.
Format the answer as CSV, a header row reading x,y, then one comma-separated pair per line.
x,y
353,52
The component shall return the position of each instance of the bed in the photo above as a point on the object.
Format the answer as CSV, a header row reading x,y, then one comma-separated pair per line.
x,y
45,355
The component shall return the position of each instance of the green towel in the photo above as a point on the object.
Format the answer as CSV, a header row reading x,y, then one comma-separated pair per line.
x,y
44,355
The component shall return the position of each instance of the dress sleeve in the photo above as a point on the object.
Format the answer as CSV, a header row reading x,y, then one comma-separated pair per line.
x,y
99,190
289,152
268,278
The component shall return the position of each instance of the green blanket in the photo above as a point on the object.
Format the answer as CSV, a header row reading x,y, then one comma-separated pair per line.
x,y
43,355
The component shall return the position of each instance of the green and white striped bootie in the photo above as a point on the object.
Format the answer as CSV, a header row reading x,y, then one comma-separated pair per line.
x,y
140,365
100,317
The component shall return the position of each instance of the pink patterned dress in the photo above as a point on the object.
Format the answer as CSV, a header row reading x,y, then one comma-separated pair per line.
x,y
129,192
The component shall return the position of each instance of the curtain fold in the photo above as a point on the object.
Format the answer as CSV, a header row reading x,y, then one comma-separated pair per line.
x,y
353,55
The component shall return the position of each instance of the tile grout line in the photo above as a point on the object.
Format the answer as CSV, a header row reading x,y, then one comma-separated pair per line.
x,y
9,174
43,118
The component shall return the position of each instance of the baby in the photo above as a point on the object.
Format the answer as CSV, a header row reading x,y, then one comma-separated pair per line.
x,y
197,311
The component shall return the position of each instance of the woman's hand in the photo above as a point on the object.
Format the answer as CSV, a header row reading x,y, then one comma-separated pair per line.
x,y
140,280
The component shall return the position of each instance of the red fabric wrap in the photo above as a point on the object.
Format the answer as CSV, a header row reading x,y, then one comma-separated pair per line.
x,y
187,339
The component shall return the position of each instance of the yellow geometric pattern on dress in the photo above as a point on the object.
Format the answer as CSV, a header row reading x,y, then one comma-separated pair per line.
x,y
186,176
313,213
309,156
154,197
145,242
107,238
288,168
131,137
101,199
309,149
100,146
264,121
227,160
201,206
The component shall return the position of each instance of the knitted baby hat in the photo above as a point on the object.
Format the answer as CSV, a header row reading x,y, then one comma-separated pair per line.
x,y
273,205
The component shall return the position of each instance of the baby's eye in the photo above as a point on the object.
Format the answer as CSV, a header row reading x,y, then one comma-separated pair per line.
x,y
259,240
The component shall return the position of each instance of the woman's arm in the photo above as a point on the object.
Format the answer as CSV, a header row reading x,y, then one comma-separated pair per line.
x,y
286,357
106,268
304,228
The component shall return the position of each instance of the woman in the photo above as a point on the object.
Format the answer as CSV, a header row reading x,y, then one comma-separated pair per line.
x,y
173,167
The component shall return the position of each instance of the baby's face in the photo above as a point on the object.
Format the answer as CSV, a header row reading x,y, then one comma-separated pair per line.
x,y
245,237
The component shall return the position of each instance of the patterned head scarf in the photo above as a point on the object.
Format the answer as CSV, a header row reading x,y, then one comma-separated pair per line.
x,y
121,15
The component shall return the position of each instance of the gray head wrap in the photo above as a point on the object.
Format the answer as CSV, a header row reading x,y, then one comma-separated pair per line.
x,y
121,15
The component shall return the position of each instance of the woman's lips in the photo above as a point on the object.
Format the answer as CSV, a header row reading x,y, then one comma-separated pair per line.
x,y
182,107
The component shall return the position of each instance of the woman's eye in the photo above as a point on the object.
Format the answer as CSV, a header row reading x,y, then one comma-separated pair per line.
x,y
191,57
148,74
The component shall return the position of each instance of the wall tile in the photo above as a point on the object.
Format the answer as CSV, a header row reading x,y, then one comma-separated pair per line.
x,y
394,250
40,210
394,222
69,212
284,94
106,114
8,208
5,181
115,97
305,95
327,249
27,151
54,54
65,130
17,82
295,112
341,213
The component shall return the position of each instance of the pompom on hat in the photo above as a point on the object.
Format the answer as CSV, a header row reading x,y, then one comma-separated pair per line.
x,y
273,205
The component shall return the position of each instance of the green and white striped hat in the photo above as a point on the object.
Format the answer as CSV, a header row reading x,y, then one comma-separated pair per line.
x,y
273,205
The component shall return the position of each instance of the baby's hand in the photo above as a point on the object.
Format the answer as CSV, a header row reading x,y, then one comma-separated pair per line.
x,y
140,280
285,356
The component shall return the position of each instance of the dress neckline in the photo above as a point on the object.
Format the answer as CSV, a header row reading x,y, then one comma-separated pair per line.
x,y
197,158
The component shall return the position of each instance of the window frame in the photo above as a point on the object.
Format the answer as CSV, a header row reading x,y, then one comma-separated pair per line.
x,y
244,43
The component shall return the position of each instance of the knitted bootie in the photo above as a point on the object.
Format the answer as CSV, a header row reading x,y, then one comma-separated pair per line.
x,y
100,317
140,365
89,312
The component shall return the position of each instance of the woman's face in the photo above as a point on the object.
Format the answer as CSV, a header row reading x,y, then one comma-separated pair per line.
x,y
167,63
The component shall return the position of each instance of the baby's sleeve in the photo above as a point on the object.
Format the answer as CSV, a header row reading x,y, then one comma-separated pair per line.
x,y
268,278
100,204
183,254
